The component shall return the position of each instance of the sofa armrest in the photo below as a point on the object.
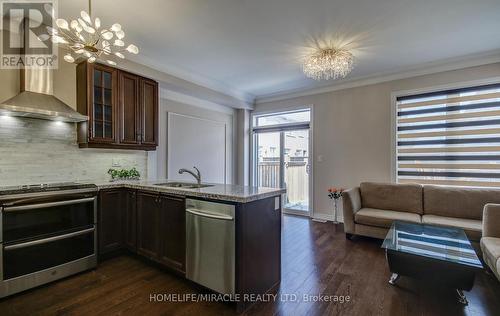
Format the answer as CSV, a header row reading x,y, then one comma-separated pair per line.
x,y
491,220
351,204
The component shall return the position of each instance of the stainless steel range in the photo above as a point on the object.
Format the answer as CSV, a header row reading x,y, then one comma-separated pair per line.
x,y
47,232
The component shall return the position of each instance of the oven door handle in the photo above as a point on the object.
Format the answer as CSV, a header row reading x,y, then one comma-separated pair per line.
x,y
51,204
49,239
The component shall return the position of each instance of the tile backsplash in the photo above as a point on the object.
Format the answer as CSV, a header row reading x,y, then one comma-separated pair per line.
x,y
39,151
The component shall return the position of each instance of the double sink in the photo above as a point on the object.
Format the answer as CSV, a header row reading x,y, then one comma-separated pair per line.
x,y
184,185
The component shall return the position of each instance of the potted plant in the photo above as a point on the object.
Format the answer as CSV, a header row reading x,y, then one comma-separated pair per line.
x,y
124,174
335,194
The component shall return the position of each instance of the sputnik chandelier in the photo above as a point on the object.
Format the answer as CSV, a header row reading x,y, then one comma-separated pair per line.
x,y
84,38
328,64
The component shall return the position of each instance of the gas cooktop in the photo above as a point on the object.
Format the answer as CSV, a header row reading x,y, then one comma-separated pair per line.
x,y
44,187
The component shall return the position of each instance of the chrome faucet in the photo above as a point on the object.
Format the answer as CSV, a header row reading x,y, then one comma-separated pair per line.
x,y
196,175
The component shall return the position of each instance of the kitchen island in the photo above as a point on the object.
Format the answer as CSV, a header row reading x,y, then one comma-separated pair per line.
x,y
223,237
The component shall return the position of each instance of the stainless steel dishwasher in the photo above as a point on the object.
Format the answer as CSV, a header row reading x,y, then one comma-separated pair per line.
x,y
210,245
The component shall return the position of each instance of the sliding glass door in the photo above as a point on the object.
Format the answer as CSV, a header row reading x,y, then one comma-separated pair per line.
x,y
281,151
297,169
269,160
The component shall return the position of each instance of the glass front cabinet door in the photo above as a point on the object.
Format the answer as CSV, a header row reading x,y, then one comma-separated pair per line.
x,y
103,104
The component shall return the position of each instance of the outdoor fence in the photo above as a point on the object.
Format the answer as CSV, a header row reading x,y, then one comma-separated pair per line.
x,y
296,176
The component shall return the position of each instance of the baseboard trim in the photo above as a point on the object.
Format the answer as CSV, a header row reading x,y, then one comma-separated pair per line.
x,y
319,220
325,217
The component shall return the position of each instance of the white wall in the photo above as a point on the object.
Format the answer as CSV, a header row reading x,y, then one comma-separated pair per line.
x,y
243,150
352,129
195,108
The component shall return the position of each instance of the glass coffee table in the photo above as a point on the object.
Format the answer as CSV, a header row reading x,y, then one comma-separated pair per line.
x,y
433,253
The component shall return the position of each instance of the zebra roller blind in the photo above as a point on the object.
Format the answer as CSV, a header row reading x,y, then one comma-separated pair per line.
x,y
450,137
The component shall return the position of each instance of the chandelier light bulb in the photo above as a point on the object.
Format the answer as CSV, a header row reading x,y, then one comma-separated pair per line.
x,y
74,24
86,17
69,58
62,24
133,49
328,64
116,27
82,23
51,30
120,34
107,35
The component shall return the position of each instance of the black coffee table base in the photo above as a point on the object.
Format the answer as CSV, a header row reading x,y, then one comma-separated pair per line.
x,y
457,276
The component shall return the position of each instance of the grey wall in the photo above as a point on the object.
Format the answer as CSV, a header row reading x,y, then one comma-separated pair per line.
x,y
352,129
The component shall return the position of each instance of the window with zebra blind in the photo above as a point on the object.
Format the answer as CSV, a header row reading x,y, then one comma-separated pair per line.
x,y
450,137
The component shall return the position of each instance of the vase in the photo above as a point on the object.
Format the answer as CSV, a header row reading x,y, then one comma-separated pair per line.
x,y
335,210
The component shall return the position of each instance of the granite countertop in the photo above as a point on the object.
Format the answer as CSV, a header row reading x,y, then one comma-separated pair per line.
x,y
222,192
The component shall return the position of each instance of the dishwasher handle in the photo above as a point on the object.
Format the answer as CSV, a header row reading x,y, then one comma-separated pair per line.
x,y
202,213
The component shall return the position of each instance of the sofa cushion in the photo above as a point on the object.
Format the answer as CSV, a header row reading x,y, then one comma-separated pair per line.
x,y
491,253
458,202
391,196
491,248
473,228
383,218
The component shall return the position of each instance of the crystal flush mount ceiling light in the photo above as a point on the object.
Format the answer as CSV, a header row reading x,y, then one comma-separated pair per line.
x,y
84,38
328,64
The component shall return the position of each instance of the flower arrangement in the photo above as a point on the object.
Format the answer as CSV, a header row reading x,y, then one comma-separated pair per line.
x,y
335,194
124,174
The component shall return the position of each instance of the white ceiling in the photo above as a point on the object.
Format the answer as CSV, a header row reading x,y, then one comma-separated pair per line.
x,y
253,48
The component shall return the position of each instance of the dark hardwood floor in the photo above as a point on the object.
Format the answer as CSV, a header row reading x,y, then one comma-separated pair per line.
x,y
317,259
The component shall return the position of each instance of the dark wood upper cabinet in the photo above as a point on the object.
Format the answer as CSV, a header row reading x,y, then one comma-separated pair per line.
x,y
129,110
110,221
173,233
122,108
149,109
97,98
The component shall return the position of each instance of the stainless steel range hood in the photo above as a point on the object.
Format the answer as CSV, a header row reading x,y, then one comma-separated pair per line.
x,y
36,98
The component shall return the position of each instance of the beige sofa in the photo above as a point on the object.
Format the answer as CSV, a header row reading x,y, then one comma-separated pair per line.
x,y
490,242
371,208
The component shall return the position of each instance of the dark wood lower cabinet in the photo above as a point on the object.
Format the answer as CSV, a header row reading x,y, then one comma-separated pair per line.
x,y
148,217
258,248
130,220
109,223
161,229
172,232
